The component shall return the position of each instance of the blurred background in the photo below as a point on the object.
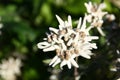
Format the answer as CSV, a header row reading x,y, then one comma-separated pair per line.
x,y
25,23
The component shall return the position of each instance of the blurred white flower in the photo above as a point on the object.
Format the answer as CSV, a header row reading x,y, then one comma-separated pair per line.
x,y
10,68
68,42
113,69
110,17
118,79
1,25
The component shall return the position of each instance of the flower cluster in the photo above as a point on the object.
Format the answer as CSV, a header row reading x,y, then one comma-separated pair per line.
x,y
10,68
95,15
68,42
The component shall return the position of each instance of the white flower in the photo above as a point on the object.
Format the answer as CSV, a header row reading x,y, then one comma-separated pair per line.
x,y
95,15
95,10
69,42
10,68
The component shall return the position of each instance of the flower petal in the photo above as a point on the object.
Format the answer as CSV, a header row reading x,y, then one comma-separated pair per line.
x,y
54,30
74,63
69,42
100,31
85,55
63,63
61,22
79,23
53,60
68,64
70,21
42,45
51,48
83,25
56,62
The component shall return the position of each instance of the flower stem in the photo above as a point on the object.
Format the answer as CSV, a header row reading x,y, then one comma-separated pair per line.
x,y
76,73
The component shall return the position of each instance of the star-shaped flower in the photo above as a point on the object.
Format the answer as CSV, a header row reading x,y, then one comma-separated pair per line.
x,y
95,15
68,42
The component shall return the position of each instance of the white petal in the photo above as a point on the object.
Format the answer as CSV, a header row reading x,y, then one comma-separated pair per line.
x,y
66,24
74,63
90,38
102,6
88,6
74,55
93,45
84,24
70,21
44,38
48,35
70,31
42,45
68,64
69,42
56,47
76,38
64,46
88,17
79,23
60,27
55,40
94,37
51,48
56,62
61,22
85,55
54,30
53,60
89,28
100,31
63,63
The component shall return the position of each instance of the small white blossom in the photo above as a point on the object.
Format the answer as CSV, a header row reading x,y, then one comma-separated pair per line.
x,y
10,68
95,15
96,10
68,42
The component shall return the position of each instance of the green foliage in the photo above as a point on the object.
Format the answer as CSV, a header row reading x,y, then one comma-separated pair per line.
x,y
30,74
